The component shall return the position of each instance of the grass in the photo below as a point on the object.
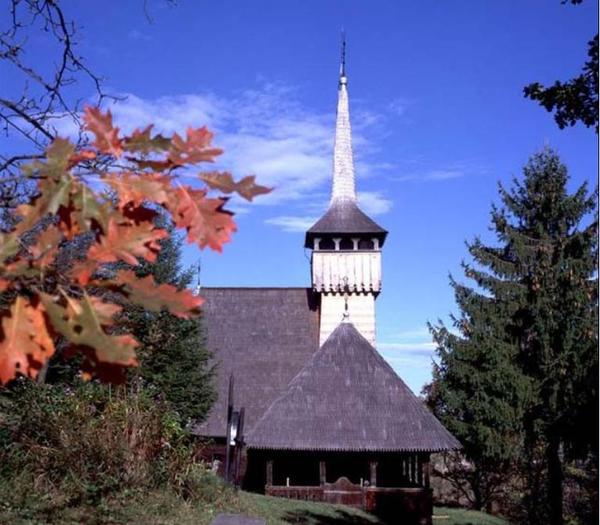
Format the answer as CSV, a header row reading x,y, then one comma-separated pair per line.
x,y
166,508
451,516
280,511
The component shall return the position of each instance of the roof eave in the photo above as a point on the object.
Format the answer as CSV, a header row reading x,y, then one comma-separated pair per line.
x,y
353,449
311,235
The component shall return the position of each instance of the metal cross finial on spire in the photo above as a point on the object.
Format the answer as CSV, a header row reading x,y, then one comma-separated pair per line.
x,y
343,59
346,314
198,283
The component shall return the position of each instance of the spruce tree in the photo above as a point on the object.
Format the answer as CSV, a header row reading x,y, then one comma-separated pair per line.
x,y
522,372
479,394
174,360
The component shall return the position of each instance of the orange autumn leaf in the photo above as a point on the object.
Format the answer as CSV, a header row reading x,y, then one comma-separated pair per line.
x,y
9,246
82,271
80,156
127,242
104,310
26,343
142,141
152,296
223,181
204,219
82,325
133,189
52,194
154,165
46,246
101,125
87,210
195,148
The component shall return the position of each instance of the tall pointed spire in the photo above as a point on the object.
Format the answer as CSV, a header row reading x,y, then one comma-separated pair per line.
x,y
343,216
343,162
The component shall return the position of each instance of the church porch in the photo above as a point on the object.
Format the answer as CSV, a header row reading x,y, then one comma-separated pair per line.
x,y
393,485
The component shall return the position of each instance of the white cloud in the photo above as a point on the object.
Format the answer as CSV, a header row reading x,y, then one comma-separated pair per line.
x,y
401,364
268,133
415,356
398,106
422,348
263,132
453,170
443,174
416,333
292,224
136,34
373,202
415,343
168,114
432,175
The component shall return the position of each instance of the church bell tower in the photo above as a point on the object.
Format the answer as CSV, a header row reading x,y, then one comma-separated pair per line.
x,y
346,243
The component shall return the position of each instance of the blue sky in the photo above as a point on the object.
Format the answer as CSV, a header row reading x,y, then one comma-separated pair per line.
x,y
437,111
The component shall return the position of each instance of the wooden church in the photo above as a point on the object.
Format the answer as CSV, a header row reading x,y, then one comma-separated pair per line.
x,y
325,416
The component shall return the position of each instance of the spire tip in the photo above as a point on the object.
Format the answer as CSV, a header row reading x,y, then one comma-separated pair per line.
x,y
343,79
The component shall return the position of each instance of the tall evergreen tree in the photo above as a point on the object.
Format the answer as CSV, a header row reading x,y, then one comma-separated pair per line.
x,y
525,364
174,360
479,393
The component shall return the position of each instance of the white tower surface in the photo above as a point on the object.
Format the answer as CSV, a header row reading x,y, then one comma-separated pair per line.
x,y
346,243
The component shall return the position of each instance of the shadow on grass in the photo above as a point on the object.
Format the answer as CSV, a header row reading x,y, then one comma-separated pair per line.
x,y
338,517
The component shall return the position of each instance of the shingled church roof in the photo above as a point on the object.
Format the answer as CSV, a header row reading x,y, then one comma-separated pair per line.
x,y
264,336
348,398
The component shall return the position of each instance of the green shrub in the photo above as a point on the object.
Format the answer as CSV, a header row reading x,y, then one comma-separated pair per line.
x,y
68,446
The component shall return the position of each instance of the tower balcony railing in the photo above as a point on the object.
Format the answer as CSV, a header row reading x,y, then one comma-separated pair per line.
x,y
346,271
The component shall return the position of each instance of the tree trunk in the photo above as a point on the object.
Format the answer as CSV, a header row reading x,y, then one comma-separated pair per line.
x,y
534,502
477,492
555,481
41,378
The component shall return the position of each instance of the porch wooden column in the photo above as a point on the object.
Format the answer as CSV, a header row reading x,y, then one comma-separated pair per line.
x,y
269,472
419,470
322,473
373,473
426,471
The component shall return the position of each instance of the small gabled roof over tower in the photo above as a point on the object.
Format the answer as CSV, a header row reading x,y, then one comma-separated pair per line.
x,y
347,398
343,216
346,218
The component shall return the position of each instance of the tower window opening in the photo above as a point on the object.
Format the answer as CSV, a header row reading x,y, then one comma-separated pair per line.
x,y
366,244
326,244
346,244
